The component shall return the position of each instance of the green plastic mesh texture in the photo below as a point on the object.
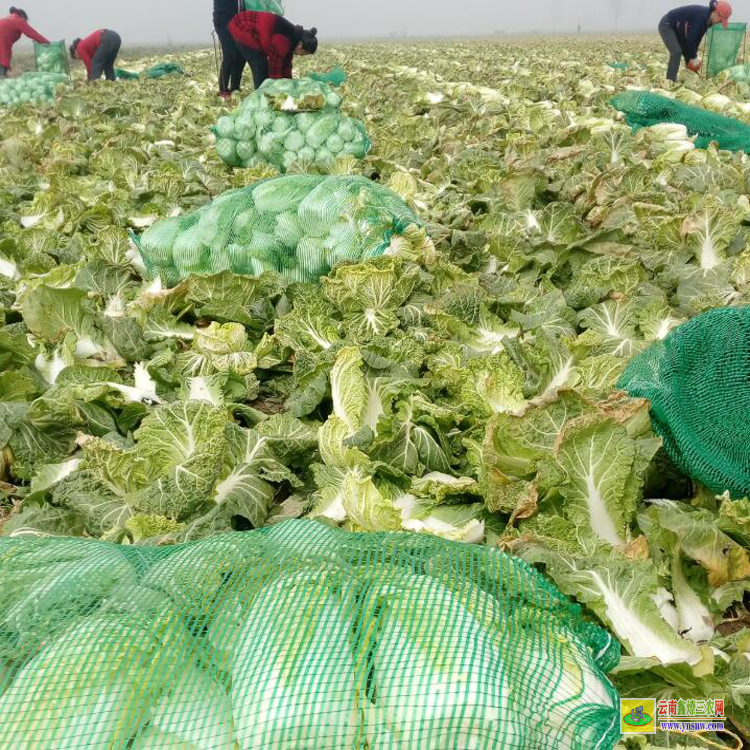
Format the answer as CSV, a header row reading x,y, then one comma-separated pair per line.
x,y
697,382
295,637
297,225
126,75
265,6
52,58
335,77
289,121
30,87
643,109
723,47
163,69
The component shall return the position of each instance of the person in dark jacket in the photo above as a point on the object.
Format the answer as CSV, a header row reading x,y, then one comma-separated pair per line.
x,y
683,29
232,61
269,42
98,52
12,27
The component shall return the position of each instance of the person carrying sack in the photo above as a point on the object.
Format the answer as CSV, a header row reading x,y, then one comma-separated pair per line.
x,y
682,31
269,42
12,27
98,53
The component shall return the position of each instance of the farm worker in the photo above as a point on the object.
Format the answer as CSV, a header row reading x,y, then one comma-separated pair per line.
x,y
683,29
232,61
269,42
11,28
98,53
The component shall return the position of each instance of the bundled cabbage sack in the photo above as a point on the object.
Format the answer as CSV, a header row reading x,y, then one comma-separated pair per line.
x,y
51,58
295,636
287,121
265,6
298,225
30,87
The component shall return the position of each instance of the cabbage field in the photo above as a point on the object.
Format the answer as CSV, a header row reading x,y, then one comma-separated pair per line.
x,y
462,387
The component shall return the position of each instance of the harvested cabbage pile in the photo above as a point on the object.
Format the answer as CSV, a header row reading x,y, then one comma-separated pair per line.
x,y
295,636
298,225
51,58
289,121
30,87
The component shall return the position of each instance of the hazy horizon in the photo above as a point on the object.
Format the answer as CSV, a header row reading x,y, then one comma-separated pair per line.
x,y
189,21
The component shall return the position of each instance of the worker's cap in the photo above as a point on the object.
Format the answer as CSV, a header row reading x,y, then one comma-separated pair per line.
x,y
724,11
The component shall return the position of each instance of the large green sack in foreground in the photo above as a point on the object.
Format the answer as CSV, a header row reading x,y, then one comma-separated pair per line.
x,y
698,382
296,636
30,88
298,225
643,109
290,121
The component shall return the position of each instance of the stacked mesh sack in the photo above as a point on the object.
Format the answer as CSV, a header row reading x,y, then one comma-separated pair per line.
x,y
30,87
287,121
265,6
51,58
298,225
295,636
697,381
643,109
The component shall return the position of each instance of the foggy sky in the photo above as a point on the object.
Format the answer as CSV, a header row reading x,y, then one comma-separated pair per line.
x,y
188,21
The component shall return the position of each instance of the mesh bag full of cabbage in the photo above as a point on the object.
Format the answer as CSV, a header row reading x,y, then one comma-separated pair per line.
x,y
51,58
30,87
723,46
697,382
288,121
265,6
298,225
296,636
643,109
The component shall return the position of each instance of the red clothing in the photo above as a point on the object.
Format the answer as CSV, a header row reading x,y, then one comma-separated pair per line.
x,y
11,29
271,34
87,48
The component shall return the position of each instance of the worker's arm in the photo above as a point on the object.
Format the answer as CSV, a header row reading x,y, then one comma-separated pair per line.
x,y
85,58
697,26
279,57
31,32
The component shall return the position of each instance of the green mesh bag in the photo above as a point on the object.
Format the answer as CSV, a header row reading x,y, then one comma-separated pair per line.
x,y
52,58
295,637
298,225
723,46
286,122
697,382
335,77
265,6
126,75
643,109
164,69
32,88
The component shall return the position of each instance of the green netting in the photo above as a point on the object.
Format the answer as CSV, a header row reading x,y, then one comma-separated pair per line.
x,y
289,121
618,65
265,6
335,77
298,225
295,637
644,109
126,75
697,382
723,46
30,87
52,58
163,69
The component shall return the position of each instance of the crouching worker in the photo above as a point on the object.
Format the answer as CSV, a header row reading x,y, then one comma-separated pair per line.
x,y
98,53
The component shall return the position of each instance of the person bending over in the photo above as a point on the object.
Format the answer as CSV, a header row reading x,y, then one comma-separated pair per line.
x,y
12,27
98,53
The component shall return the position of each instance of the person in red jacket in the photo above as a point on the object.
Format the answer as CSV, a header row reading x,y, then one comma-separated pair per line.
x,y
269,42
98,53
11,28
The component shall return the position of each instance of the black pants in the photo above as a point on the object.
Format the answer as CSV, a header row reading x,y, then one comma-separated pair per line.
x,y
232,62
3,71
105,56
258,62
672,43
